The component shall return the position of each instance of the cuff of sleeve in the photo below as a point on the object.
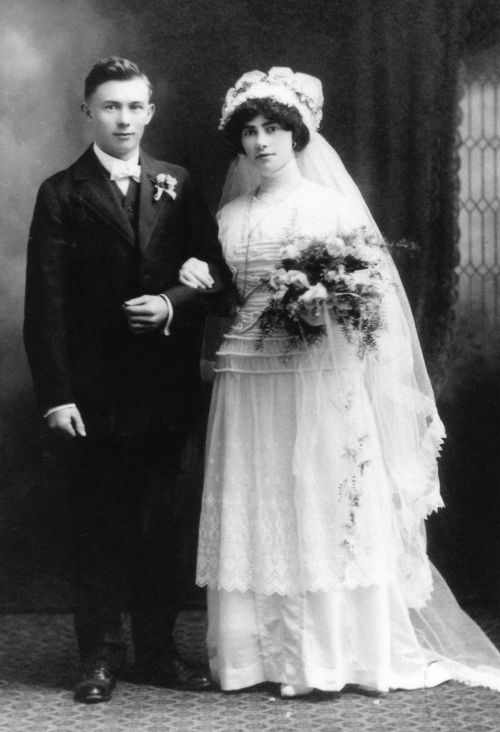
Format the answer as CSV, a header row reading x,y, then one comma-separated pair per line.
x,y
56,409
170,315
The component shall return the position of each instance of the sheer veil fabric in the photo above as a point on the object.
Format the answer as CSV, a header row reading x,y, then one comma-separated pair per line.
x,y
400,409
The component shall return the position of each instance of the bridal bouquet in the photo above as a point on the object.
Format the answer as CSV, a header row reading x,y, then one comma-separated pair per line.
x,y
341,276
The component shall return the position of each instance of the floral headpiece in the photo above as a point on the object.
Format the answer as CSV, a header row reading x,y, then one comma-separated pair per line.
x,y
301,91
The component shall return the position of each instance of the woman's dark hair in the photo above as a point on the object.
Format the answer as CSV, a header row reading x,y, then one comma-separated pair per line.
x,y
288,117
113,68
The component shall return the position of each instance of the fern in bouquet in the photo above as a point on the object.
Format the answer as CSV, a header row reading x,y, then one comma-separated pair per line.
x,y
342,276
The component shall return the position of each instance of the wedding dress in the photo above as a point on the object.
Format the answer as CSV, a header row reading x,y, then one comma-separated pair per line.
x,y
320,470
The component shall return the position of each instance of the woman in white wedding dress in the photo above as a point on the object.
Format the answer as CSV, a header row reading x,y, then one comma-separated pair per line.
x,y
321,465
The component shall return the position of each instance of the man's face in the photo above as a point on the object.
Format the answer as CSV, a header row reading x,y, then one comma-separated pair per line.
x,y
119,111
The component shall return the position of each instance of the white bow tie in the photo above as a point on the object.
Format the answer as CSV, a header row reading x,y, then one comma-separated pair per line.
x,y
123,169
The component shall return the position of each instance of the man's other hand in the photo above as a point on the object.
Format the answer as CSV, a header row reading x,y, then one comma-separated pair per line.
x,y
67,422
145,313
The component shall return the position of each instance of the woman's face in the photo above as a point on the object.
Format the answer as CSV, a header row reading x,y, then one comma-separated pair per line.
x,y
267,145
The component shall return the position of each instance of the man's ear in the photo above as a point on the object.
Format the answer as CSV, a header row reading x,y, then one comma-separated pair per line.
x,y
85,109
151,111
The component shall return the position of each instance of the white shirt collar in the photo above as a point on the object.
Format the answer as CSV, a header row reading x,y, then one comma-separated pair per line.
x,y
107,161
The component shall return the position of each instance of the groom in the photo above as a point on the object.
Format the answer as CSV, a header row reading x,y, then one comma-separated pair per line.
x,y
113,344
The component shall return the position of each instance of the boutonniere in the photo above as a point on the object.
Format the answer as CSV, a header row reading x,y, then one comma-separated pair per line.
x,y
165,184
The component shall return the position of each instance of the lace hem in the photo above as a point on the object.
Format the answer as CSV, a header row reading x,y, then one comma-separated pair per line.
x,y
416,589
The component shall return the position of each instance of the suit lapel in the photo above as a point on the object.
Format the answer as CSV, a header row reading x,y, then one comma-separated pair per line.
x,y
149,209
95,192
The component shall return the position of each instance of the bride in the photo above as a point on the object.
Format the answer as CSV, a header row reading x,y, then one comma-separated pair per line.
x,y
321,464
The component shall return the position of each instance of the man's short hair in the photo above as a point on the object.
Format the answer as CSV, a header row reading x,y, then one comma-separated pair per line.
x,y
113,68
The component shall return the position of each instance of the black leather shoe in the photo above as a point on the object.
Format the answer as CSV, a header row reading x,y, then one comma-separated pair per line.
x,y
95,685
174,673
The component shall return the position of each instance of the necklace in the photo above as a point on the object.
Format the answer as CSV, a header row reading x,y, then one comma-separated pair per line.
x,y
270,199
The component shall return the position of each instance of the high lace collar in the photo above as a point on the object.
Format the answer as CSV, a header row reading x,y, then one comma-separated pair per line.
x,y
279,183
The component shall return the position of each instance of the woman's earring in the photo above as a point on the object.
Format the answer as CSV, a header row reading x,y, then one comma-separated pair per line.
x,y
294,145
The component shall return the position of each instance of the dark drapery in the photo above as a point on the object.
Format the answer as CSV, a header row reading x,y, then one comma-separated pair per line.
x,y
397,129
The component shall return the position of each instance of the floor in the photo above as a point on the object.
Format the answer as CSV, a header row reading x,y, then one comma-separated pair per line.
x,y
38,664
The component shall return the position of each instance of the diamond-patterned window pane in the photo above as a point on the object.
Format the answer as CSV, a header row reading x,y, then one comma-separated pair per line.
x,y
489,165
479,219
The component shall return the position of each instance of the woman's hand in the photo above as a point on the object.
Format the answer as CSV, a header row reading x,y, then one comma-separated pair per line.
x,y
313,304
312,317
195,273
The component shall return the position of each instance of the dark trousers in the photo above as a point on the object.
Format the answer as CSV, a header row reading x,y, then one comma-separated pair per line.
x,y
131,518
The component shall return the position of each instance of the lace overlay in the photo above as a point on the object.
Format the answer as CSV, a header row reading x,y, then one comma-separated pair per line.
x,y
309,485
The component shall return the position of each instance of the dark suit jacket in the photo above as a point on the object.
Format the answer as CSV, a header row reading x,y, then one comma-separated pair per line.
x,y
84,261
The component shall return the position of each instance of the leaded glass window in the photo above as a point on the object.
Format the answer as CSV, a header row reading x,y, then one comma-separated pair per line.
x,y
479,218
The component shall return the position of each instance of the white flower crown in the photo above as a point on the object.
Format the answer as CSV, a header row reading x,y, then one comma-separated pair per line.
x,y
281,84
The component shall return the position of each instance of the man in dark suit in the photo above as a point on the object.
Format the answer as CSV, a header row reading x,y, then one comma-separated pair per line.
x,y
113,340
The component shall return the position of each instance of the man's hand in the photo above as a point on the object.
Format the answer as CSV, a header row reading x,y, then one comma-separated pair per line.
x,y
145,313
195,273
67,422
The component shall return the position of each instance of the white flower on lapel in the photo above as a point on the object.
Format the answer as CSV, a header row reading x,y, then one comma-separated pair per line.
x,y
165,184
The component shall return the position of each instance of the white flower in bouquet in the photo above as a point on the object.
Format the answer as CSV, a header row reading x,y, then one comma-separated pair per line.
x,y
335,246
360,277
371,255
298,279
365,247
358,250
291,251
332,276
279,279
279,293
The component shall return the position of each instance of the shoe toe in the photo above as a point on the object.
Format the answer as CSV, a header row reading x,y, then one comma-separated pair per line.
x,y
92,695
189,677
95,686
290,691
